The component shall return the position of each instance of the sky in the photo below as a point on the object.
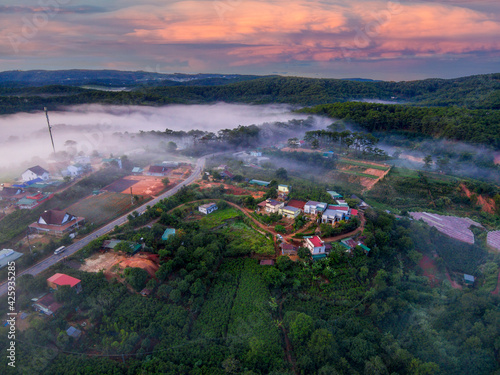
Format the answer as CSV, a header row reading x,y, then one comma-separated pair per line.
x,y
388,40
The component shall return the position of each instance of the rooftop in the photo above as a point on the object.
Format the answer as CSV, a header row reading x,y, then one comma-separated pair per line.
x,y
296,203
291,208
316,241
62,279
38,170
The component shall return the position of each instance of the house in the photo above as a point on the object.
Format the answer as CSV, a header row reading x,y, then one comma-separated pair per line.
x,y
316,246
328,154
288,249
207,208
8,255
34,173
313,207
469,279
273,206
168,233
227,174
350,244
221,167
297,204
47,304
74,332
137,170
31,201
111,244
290,212
284,191
259,182
56,223
334,194
157,170
363,205
332,215
11,193
261,206
60,279
342,202
74,170
255,153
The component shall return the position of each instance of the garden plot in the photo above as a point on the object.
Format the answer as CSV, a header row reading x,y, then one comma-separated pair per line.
x,y
493,239
452,226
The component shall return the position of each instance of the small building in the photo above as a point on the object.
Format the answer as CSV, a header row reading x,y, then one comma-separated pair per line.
x,y
290,212
328,154
227,174
168,233
342,203
255,153
56,223
76,170
313,207
334,194
111,244
145,292
157,170
207,208
333,215
11,193
273,206
259,182
267,262
288,249
469,279
34,173
350,244
47,304
137,170
111,161
284,191
31,201
170,163
297,203
8,255
363,205
60,279
316,246
74,332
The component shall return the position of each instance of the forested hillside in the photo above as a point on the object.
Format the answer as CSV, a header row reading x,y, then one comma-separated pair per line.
x,y
475,126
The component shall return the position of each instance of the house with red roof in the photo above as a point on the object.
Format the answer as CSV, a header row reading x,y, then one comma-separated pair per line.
x,y
60,279
47,304
316,246
297,204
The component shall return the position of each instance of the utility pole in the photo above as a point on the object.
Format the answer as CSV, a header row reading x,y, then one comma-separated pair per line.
x,y
50,129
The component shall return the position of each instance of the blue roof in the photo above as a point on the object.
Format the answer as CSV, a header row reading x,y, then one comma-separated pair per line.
x,y
168,232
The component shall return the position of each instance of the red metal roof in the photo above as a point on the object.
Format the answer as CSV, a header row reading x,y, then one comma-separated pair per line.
x,y
316,241
354,212
297,204
338,208
62,279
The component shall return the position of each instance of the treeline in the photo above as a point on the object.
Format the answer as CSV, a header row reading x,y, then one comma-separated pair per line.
x,y
474,126
361,142
481,92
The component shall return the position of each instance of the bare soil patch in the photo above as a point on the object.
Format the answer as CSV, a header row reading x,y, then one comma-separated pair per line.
x,y
145,185
487,204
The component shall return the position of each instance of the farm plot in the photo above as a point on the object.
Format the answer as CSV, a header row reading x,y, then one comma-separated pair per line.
x,y
119,185
99,209
493,239
145,185
452,226
369,173
245,240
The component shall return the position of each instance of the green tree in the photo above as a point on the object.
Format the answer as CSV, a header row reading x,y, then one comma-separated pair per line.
x,y
171,146
428,162
136,277
282,174
301,328
165,181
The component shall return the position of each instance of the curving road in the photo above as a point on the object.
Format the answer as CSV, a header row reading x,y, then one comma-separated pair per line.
x,y
73,248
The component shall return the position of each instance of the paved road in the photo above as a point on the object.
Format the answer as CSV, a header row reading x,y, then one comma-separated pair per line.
x,y
73,248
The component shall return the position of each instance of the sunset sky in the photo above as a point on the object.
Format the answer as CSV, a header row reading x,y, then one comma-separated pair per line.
x,y
387,40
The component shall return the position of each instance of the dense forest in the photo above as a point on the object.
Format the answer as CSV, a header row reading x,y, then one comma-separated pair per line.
x,y
475,92
474,126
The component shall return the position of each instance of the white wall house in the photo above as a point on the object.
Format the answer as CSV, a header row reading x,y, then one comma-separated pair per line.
x,y
207,208
34,173
315,245
313,207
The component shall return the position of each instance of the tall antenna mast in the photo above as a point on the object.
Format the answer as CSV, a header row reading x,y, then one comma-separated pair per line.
x,y
50,129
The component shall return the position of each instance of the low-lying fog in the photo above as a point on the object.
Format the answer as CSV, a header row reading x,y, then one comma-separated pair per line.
x,y
24,136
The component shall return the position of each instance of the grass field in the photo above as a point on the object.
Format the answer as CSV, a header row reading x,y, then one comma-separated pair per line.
x,y
365,165
359,174
218,217
245,240
99,209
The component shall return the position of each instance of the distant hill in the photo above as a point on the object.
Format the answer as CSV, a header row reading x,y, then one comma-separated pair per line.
x,y
113,78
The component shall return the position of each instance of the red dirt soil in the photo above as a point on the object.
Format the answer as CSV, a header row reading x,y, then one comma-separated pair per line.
x,y
145,185
430,270
148,262
487,204
235,190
